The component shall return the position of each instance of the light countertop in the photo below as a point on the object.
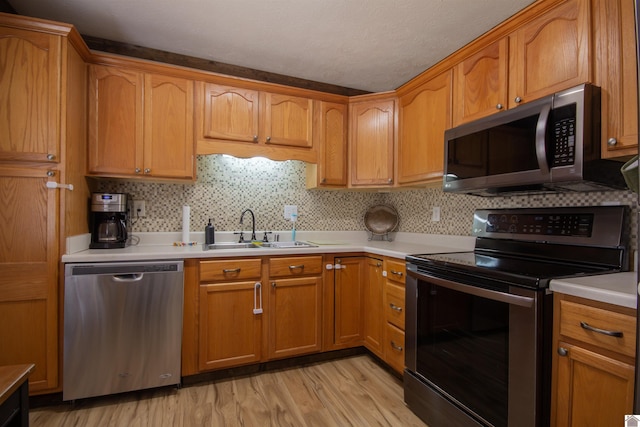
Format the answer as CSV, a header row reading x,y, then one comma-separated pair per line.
x,y
618,288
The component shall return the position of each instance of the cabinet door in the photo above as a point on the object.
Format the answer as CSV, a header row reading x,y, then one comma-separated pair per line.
x,y
550,53
295,315
331,138
348,288
424,116
615,52
168,127
30,95
372,129
287,120
480,85
229,332
227,113
115,121
29,279
373,314
593,389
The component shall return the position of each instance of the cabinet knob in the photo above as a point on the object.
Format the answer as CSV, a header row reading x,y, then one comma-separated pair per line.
x,y
499,106
323,180
273,284
612,142
51,173
518,100
268,139
147,170
390,180
563,351
379,264
137,170
51,156
255,138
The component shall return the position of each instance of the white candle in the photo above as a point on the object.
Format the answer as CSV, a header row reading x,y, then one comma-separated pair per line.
x,y
186,213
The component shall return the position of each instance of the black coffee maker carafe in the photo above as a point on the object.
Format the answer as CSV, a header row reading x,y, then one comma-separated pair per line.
x,y
108,220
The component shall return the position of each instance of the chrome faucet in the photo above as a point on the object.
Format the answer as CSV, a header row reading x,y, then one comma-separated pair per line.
x,y
253,225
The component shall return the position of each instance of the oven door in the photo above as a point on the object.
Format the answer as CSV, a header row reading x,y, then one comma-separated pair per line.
x,y
474,354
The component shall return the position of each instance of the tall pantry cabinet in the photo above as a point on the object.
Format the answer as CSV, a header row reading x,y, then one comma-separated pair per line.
x,y
42,139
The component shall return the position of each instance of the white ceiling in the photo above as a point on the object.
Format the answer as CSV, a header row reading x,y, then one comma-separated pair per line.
x,y
372,45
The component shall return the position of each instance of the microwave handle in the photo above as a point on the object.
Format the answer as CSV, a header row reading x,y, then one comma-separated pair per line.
x,y
541,140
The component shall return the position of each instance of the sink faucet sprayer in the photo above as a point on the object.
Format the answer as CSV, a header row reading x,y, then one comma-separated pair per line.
x,y
253,225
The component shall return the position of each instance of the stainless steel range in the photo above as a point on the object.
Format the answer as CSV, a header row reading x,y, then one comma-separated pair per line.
x,y
479,324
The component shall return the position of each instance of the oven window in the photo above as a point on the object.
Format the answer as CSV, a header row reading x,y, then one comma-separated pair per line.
x,y
463,349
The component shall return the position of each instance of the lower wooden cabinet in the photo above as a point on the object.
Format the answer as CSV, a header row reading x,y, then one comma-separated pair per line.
x,y
593,370
344,302
394,313
372,306
295,306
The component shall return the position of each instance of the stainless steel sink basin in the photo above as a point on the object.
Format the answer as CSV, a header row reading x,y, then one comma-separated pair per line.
x,y
229,245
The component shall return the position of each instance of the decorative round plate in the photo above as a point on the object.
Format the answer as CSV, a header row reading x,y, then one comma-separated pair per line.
x,y
381,219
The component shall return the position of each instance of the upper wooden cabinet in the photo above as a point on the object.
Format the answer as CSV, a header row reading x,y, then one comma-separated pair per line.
x,y
330,138
140,125
372,134
615,73
550,53
481,84
425,113
245,123
30,88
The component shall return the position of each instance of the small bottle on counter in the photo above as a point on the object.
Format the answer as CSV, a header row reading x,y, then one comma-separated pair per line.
x,y
209,234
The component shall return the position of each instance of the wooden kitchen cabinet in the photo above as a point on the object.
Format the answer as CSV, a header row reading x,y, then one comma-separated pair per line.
x,y
615,73
229,330
425,113
330,137
140,124
550,53
394,313
372,135
593,372
31,95
295,306
245,123
43,79
373,288
346,316
481,83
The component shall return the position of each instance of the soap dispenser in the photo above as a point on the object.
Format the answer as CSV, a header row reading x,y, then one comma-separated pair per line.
x,y
209,234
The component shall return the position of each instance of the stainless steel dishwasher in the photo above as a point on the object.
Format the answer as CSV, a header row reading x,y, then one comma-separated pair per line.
x,y
122,327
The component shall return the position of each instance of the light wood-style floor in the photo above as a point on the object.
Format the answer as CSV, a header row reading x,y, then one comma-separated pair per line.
x,y
354,391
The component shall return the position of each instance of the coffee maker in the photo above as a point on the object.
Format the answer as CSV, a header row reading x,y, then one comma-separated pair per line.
x,y
108,220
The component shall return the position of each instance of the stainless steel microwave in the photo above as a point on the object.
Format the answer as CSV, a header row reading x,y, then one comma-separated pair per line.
x,y
551,144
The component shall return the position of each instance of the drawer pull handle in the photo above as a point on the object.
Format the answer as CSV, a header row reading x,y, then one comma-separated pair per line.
x,y
296,267
396,346
397,273
588,327
231,270
395,307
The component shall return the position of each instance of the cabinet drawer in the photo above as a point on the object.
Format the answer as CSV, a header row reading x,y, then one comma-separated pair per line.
x,y
577,319
240,269
295,266
394,304
396,271
394,347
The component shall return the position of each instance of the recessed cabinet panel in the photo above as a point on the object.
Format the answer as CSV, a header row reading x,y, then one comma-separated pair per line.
x,y
30,94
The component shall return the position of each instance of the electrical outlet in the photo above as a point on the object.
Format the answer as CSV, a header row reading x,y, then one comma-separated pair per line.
x,y
290,210
139,209
435,214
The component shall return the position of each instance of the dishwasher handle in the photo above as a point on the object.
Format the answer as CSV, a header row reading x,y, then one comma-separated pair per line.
x,y
131,277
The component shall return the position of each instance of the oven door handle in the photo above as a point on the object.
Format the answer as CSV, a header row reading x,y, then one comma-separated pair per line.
x,y
520,300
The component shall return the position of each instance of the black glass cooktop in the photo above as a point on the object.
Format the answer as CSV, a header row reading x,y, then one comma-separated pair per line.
x,y
516,270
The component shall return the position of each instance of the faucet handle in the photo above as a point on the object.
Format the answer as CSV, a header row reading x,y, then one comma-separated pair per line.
x,y
241,233
265,239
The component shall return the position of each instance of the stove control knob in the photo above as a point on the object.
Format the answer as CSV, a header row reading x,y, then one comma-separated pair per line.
x,y
563,351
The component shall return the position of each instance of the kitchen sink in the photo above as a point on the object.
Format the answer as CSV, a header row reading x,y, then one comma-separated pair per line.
x,y
229,245
256,245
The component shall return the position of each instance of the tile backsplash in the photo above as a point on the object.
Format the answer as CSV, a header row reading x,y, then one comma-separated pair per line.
x,y
227,185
